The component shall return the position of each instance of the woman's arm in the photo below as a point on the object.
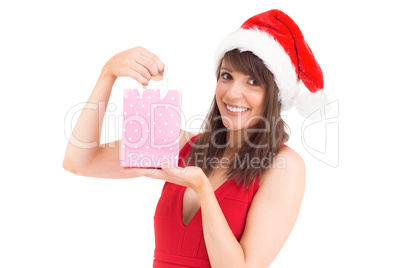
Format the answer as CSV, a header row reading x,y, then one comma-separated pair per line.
x,y
107,162
83,147
270,220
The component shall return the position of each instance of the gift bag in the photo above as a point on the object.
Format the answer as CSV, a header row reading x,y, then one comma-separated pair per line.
x,y
151,126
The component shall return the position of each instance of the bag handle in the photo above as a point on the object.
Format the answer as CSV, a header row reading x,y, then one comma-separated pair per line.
x,y
164,85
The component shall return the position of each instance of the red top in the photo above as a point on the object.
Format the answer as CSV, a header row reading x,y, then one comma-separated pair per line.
x,y
178,245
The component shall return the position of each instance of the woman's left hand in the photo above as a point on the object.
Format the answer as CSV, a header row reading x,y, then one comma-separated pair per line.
x,y
191,176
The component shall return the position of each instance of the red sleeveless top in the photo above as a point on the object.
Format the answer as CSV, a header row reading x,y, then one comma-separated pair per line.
x,y
178,245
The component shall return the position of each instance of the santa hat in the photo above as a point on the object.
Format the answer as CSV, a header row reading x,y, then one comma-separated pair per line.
x,y
277,40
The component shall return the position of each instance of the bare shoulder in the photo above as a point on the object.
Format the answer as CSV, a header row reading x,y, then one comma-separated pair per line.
x,y
287,164
185,136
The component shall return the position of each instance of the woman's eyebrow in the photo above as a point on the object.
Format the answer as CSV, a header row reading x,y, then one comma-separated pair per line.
x,y
226,69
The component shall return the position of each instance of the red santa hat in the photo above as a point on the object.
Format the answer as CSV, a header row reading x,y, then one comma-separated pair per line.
x,y
277,40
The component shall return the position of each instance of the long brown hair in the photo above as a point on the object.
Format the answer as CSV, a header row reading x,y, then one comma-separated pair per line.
x,y
267,142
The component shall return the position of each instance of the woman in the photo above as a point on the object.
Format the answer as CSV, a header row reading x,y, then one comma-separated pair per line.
x,y
236,194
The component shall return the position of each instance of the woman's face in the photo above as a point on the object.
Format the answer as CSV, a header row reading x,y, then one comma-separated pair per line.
x,y
239,91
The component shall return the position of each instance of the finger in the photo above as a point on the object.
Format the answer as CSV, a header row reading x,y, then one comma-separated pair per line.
x,y
159,64
141,69
136,76
157,78
154,58
173,171
128,170
166,173
147,172
148,63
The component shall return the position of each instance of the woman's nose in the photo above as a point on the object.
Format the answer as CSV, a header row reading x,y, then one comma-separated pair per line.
x,y
234,91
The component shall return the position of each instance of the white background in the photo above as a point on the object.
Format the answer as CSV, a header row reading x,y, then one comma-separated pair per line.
x,y
51,55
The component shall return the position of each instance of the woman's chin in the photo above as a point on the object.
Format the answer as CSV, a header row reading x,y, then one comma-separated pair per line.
x,y
232,127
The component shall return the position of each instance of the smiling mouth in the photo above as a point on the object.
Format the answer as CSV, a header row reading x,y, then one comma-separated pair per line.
x,y
235,109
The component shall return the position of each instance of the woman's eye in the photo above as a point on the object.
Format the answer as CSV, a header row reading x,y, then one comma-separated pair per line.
x,y
254,82
226,76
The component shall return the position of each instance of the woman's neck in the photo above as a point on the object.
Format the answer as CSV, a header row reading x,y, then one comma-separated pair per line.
x,y
236,138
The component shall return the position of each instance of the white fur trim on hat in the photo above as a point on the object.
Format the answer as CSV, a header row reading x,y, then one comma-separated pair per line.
x,y
271,53
308,103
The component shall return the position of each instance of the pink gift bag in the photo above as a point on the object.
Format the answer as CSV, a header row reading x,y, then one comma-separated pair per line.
x,y
151,126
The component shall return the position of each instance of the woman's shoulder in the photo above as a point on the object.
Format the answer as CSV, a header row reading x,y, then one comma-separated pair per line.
x,y
288,153
287,164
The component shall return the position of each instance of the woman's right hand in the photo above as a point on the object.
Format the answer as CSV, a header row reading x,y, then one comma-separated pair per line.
x,y
137,63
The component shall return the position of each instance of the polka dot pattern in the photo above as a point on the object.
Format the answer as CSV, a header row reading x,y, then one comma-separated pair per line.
x,y
151,128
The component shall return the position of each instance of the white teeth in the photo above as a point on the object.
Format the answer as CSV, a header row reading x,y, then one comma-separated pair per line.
x,y
237,110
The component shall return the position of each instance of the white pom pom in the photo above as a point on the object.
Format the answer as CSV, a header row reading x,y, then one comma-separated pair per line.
x,y
308,103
